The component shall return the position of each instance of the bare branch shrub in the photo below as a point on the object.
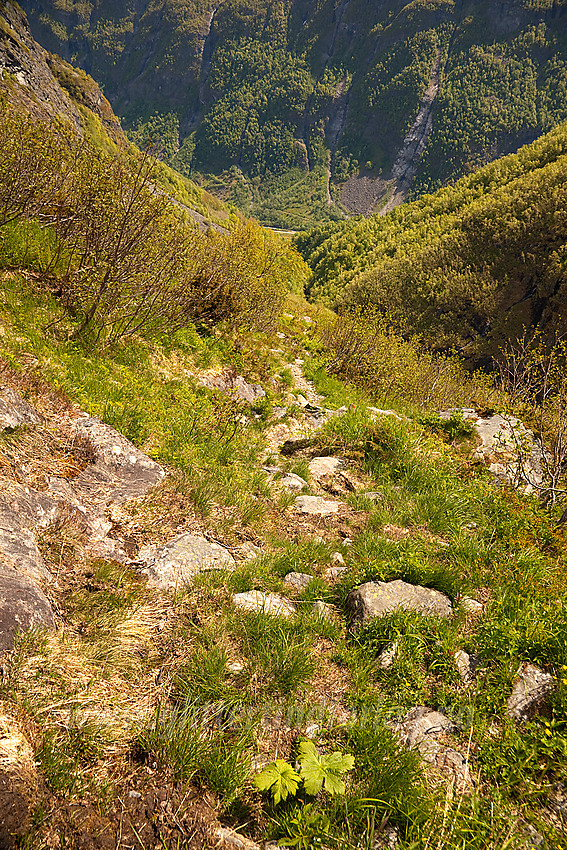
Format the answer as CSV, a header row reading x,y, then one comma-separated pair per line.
x,y
241,278
369,350
532,371
35,163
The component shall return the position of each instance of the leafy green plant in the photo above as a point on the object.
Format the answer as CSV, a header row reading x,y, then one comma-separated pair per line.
x,y
323,771
306,827
279,779
317,772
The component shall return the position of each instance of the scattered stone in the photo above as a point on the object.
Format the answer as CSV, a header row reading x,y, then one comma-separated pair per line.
x,y
15,411
298,580
332,474
347,541
387,838
421,724
134,795
321,467
373,496
235,667
279,412
532,838
247,551
376,598
466,665
271,470
235,385
296,444
312,731
322,610
376,412
424,729
293,482
530,688
230,838
471,606
269,603
334,573
337,559
174,563
301,400
388,655
557,799
316,505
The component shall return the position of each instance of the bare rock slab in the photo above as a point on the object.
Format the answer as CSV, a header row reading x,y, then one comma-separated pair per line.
x,y
15,411
268,603
177,561
530,688
316,505
119,472
23,605
377,598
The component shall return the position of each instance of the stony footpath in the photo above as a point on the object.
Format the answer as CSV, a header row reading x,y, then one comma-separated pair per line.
x,y
108,473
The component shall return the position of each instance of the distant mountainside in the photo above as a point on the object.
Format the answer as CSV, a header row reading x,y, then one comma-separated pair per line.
x,y
467,267
304,108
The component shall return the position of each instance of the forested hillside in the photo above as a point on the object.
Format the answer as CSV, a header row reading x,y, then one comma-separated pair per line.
x,y
285,101
468,266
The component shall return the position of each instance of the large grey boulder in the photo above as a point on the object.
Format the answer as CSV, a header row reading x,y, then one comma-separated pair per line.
x,y
23,605
15,411
530,688
119,472
268,603
377,598
176,562
316,505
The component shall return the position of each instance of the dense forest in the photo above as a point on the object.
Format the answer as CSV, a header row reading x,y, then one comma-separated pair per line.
x,y
271,96
467,266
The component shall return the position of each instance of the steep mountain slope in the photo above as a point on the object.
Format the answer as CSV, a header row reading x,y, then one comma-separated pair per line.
x,y
396,96
467,266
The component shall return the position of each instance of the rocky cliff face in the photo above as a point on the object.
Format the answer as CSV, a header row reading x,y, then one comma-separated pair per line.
x,y
44,84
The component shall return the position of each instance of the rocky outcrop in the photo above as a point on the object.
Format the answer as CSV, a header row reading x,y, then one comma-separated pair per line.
x,y
176,562
377,598
234,385
15,411
115,472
